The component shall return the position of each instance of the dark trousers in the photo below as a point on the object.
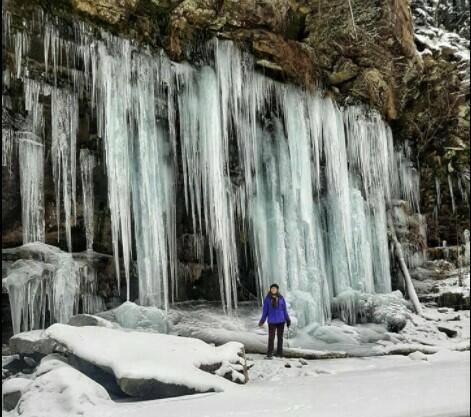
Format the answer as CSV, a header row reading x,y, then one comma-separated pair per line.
x,y
279,329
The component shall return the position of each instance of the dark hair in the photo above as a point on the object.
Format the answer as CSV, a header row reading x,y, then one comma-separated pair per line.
x,y
274,300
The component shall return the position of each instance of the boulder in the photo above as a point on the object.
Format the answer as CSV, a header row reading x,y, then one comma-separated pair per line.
x,y
152,365
35,344
60,390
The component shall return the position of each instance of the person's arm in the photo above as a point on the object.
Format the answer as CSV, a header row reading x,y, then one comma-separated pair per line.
x,y
285,311
264,312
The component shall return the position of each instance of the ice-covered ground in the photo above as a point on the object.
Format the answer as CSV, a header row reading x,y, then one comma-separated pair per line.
x,y
394,386
435,384
207,322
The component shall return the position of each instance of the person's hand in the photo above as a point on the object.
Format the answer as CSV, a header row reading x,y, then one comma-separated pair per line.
x,y
288,323
260,323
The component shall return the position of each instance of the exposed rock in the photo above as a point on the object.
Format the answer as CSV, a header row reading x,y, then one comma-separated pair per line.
x,y
447,330
88,320
345,70
456,300
11,392
34,343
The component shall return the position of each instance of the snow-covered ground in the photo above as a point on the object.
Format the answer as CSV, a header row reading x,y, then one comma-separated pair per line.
x,y
393,386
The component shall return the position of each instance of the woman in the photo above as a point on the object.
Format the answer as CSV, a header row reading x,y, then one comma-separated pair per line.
x,y
274,307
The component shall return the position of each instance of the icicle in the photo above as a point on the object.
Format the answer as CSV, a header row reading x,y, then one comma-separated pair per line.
x,y
54,282
408,184
452,196
153,193
64,126
6,26
437,189
115,75
31,163
21,49
8,139
87,166
205,160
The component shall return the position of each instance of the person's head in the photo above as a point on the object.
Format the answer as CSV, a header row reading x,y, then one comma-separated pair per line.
x,y
274,289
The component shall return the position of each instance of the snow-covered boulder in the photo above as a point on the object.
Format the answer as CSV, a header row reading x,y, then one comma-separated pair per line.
x,y
58,390
153,365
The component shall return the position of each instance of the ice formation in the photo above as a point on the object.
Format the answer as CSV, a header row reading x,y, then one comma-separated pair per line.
x,y
31,162
64,125
87,166
52,285
309,194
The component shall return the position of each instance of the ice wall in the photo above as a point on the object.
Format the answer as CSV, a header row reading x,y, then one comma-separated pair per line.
x,y
309,191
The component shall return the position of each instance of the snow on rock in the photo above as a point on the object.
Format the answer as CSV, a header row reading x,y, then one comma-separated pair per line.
x,y
353,306
132,316
34,343
12,390
89,320
418,356
153,365
58,390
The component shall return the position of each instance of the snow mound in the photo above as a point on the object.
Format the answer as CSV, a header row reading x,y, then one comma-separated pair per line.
x,y
154,365
132,316
59,390
356,307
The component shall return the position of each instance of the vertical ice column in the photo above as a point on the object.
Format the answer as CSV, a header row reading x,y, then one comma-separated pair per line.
x,y
31,162
338,196
153,192
284,220
114,104
205,161
407,185
87,166
380,244
64,125
8,139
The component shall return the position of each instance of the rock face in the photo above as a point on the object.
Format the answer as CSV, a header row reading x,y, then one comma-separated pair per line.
x,y
367,53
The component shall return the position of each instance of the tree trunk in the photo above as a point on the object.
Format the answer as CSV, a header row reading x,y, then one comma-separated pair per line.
x,y
405,271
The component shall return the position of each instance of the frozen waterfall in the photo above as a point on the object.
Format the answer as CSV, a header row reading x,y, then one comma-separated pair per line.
x,y
305,182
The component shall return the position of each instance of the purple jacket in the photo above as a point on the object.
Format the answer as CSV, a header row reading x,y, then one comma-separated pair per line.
x,y
275,315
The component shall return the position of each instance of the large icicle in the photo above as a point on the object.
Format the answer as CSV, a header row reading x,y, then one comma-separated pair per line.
x,y
64,125
87,166
205,158
153,192
31,162
113,112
